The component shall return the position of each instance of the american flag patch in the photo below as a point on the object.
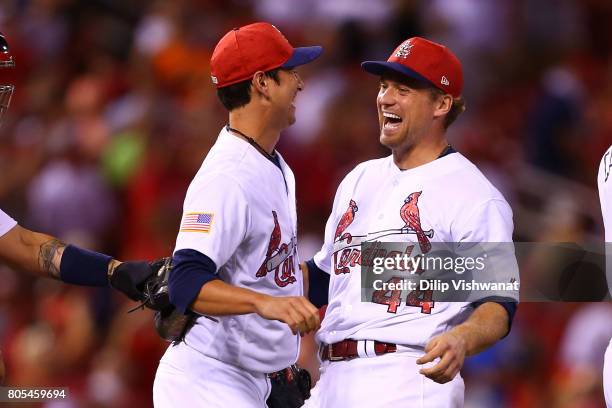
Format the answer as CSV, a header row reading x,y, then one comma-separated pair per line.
x,y
196,222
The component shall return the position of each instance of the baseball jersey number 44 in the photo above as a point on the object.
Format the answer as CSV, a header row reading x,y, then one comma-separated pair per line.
x,y
393,298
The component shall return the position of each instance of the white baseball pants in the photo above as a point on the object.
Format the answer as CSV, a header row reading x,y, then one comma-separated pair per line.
x,y
389,380
187,378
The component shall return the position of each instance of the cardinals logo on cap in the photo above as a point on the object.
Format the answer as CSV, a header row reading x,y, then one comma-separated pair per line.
x,y
404,50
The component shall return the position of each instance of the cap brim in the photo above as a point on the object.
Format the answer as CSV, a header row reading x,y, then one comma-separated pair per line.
x,y
380,67
303,55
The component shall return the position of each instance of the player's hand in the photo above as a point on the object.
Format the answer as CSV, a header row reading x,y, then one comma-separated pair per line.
x,y
129,277
296,311
451,350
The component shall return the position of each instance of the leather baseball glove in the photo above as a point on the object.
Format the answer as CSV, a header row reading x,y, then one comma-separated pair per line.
x,y
133,277
290,387
170,324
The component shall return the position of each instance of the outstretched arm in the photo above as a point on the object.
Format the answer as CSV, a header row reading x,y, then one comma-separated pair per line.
x,y
47,256
34,252
487,324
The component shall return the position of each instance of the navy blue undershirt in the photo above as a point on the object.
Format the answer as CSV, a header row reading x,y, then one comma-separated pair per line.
x,y
191,270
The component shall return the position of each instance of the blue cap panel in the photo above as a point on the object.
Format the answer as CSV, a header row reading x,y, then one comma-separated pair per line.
x,y
380,67
303,55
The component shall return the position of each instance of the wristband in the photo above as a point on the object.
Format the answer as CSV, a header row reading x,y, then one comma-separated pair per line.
x,y
83,267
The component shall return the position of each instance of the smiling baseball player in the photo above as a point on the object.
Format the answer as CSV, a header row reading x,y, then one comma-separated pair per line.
x,y
236,261
604,183
404,349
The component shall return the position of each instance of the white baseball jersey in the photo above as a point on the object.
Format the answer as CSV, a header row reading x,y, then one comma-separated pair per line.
x,y
604,183
6,223
447,200
240,211
607,375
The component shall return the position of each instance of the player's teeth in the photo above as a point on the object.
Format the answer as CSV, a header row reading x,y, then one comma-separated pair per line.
x,y
391,115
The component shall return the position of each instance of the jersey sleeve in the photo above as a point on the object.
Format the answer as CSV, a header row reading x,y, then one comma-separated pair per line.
x,y
216,218
6,223
604,185
323,258
489,222
486,235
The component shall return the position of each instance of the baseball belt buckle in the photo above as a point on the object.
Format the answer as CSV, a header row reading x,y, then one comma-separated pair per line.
x,y
330,354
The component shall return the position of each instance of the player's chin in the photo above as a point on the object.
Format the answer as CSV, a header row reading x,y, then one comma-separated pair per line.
x,y
291,115
390,141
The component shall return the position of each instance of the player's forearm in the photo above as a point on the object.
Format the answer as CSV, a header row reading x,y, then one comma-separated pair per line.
x,y
47,256
39,253
483,328
217,298
32,251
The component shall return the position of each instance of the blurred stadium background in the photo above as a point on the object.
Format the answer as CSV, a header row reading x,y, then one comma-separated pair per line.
x,y
114,111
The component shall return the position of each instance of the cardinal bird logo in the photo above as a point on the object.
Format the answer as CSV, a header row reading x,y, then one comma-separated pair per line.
x,y
280,258
345,221
412,219
275,239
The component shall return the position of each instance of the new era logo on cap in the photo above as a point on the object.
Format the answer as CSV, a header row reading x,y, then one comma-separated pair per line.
x,y
423,60
255,47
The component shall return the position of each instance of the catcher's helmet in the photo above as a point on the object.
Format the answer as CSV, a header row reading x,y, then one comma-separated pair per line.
x,y
6,61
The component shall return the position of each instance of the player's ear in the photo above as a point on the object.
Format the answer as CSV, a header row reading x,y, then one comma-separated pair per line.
x,y
260,84
443,105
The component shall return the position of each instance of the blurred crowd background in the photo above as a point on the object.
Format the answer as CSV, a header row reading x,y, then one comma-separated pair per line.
x,y
114,111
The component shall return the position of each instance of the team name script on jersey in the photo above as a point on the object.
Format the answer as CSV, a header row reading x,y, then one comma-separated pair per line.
x,y
347,254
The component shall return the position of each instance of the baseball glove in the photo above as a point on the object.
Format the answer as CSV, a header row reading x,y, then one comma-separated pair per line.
x,y
290,387
131,277
170,324
152,292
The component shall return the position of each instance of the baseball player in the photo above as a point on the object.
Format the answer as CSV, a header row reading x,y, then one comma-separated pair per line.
x,y
236,261
604,183
404,349
47,256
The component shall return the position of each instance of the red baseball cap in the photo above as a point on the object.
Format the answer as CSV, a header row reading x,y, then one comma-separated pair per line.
x,y
255,47
423,60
